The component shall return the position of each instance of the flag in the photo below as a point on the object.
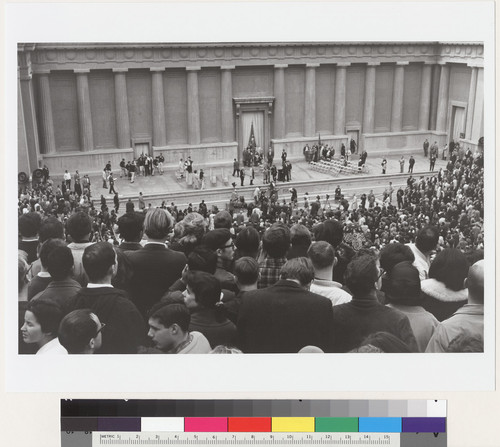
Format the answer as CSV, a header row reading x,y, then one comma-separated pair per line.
x,y
251,139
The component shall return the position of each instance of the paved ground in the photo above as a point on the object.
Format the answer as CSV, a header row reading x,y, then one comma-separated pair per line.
x,y
167,183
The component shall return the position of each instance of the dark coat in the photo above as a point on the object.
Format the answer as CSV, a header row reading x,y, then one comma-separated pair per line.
x,y
155,269
354,321
125,328
284,318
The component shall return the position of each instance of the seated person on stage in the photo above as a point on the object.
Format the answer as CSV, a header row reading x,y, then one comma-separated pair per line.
x,y
80,332
169,331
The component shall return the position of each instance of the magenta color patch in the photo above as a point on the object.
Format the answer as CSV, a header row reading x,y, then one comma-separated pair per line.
x,y
205,424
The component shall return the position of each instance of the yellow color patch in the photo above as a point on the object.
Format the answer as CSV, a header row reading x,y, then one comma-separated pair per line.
x,y
302,425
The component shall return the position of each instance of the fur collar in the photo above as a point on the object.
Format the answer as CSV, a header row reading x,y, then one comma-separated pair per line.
x,y
437,290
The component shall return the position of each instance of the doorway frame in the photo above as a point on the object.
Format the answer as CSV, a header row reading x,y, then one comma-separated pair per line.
x,y
451,105
354,128
142,140
253,104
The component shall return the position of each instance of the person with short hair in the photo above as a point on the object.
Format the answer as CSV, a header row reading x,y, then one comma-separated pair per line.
x,y
223,219
300,239
169,331
221,242
403,293
285,317
275,245
130,230
467,320
364,314
392,254
79,229
203,299
41,323
156,267
322,256
62,287
247,243
125,329
29,225
424,246
80,332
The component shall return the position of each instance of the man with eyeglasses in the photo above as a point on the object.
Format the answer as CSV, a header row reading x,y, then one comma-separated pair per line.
x,y
221,242
80,332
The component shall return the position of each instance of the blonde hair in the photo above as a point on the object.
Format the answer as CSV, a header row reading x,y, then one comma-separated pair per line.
x,y
158,223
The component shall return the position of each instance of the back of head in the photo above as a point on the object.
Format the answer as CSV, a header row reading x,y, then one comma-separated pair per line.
x,y
22,269
170,314
451,268
247,241
403,285
475,282
130,226
202,259
217,238
47,247
330,231
246,270
321,254
29,224
299,269
300,235
158,223
276,240
60,262
194,224
79,226
206,288
427,239
129,207
223,220
51,228
76,330
394,253
48,315
97,260
361,274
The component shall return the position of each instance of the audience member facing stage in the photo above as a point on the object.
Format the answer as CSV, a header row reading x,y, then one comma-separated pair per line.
x,y
285,317
155,266
322,256
80,332
424,246
467,320
125,329
169,331
203,299
275,245
79,229
364,315
403,293
29,225
41,323
130,230
63,287
300,239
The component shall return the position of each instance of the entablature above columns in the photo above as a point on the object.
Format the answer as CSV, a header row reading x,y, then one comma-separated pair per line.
x,y
135,56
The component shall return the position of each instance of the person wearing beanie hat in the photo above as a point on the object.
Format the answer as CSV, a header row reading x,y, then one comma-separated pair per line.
x,y
403,293
221,242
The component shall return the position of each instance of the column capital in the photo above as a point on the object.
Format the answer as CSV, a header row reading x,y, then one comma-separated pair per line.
x,y
402,63
119,70
442,63
343,64
79,71
193,68
228,67
373,64
156,69
42,72
280,65
311,65
475,65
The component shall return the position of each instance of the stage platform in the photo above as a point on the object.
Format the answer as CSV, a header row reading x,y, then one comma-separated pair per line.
x,y
166,187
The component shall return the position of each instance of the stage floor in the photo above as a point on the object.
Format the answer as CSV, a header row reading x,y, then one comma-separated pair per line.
x,y
160,184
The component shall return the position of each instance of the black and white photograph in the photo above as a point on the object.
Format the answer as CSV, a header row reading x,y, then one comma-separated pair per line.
x,y
265,195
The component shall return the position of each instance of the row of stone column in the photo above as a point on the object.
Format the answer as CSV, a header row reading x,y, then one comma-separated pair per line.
x,y
121,108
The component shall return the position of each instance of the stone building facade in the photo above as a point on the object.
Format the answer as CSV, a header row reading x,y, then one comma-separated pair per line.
x,y
80,105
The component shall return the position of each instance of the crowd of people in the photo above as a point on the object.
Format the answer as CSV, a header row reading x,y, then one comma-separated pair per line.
x,y
272,276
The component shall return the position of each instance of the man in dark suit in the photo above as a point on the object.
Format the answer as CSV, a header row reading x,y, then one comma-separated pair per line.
x,y
364,315
155,266
286,317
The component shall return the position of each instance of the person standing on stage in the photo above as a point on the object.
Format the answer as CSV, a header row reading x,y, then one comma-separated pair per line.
x,y
432,161
123,170
384,165
426,147
252,175
402,164
161,160
242,176
411,163
111,182
116,201
104,178
142,204
236,168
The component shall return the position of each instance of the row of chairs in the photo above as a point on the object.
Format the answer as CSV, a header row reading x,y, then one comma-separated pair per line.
x,y
337,167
